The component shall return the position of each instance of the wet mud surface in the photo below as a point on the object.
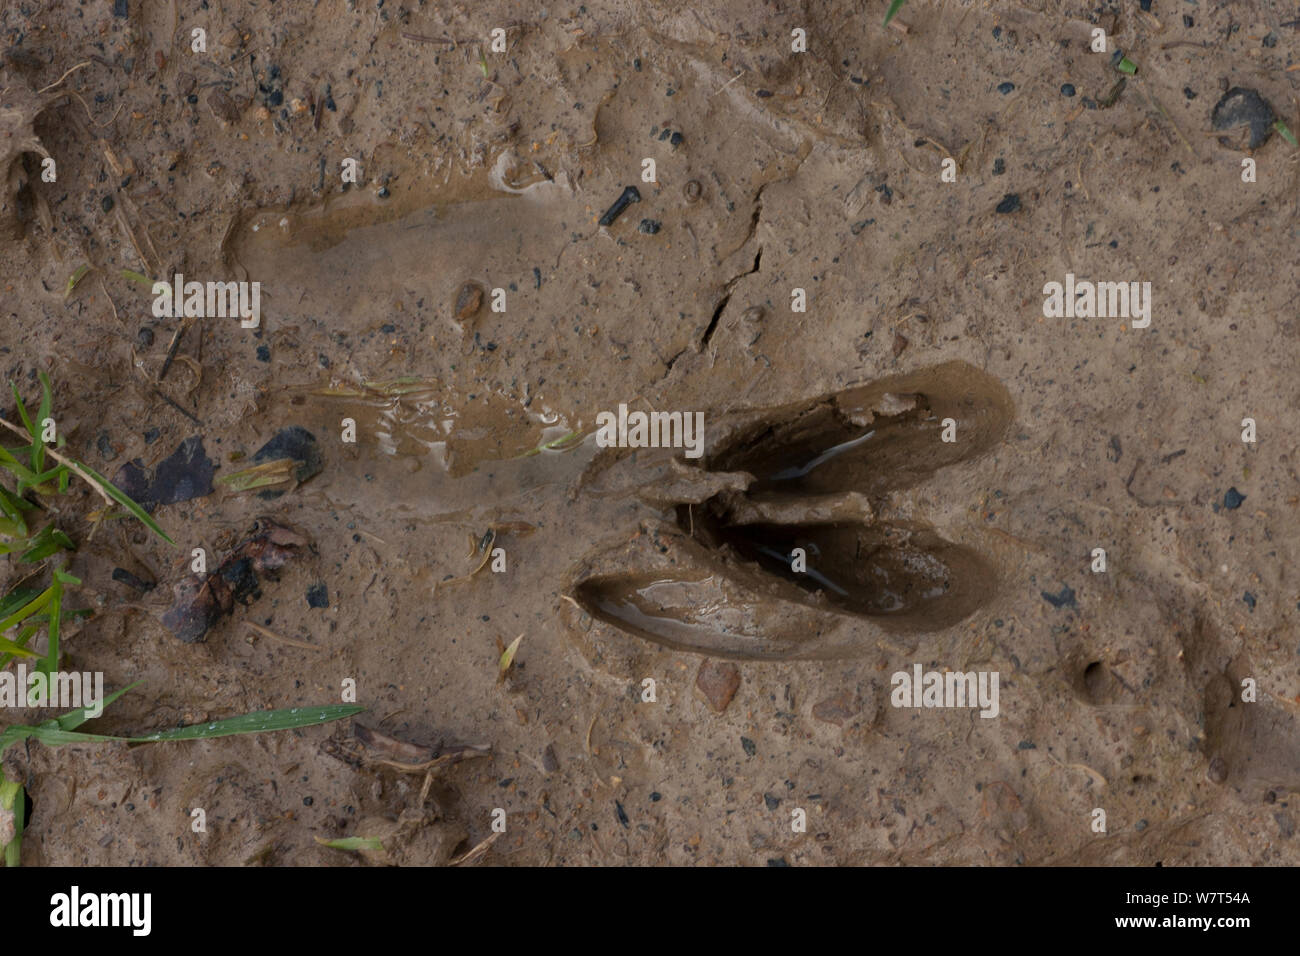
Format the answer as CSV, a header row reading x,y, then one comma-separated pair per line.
x,y
474,428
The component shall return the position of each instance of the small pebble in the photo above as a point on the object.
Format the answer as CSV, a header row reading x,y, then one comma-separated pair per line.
x,y
676,139
263,353
550,762
144,337
1064,599
1010,203
1189,92
1067,89
1005,88
1232,499
771,801
107,203
693,191
648,226
1250,601
750,747
999,166
468,300
717,682
318,595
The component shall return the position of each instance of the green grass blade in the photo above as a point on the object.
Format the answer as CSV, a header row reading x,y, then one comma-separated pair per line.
x,y
352,843
74,279
125,501
51,736
36,604
12,800
49,541
45,411
266,720
1286,133
16,599
893,9
131,276
75,718
13,649
50,662
25,635
22,410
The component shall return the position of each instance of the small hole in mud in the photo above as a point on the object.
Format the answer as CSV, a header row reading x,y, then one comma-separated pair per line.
x,y
1096,682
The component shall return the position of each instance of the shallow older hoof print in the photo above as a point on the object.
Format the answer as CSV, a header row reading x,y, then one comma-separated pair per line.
x,y
789,559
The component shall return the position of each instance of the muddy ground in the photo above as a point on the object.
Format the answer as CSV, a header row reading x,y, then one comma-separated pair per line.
x,y
817,170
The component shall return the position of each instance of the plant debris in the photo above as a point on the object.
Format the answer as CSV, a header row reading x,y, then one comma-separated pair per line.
x,y
201,601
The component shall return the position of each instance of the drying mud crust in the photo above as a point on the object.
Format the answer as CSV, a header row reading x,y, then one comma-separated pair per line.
x,y
472,228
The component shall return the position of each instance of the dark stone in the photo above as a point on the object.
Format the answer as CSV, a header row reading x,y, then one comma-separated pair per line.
x,y
297,444
1232,499
144,337
1241,106
264,353
184,475
318,595
1005,88
239,577
750,747
1010,203
1067,89
1064,599
648,226
130,580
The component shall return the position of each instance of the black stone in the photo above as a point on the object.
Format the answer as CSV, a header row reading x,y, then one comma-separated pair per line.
x,y
297,444
1241,106
1064,599
318,595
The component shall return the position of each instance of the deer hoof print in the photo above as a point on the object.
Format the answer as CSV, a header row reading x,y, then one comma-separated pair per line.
x,y
790,538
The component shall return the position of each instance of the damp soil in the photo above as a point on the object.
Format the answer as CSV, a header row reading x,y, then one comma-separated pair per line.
x,y
482,171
